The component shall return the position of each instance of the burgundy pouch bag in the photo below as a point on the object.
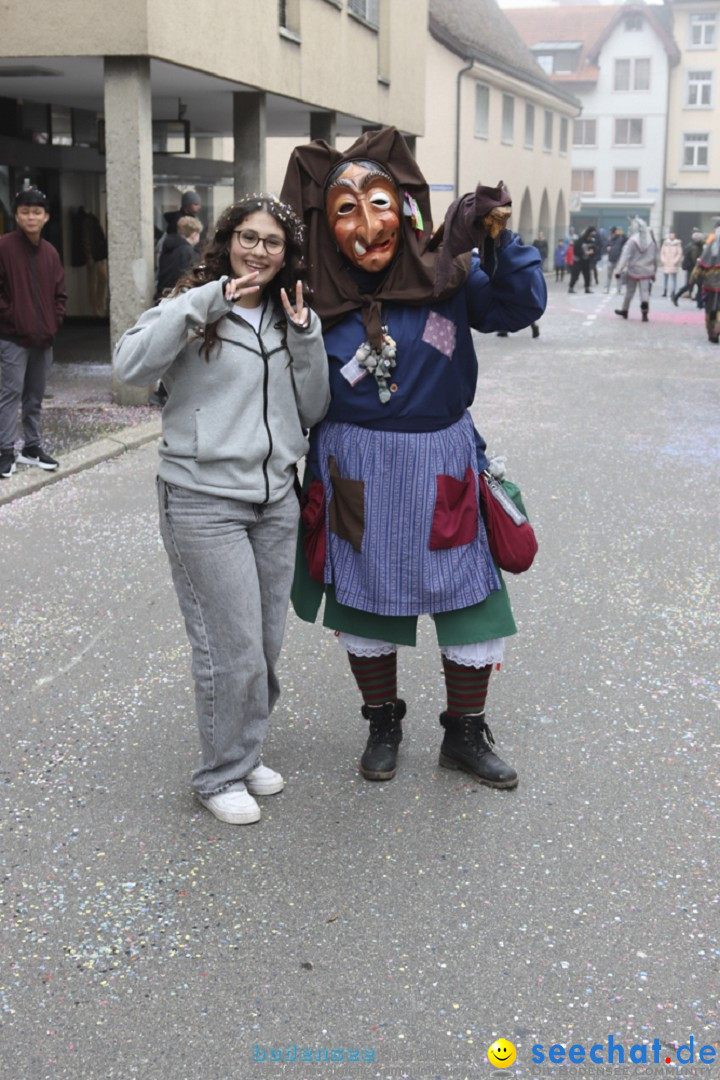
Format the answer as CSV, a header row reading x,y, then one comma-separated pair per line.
x,y
511,537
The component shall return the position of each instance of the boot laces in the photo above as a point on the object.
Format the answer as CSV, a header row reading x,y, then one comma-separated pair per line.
x,y
385,727
478,733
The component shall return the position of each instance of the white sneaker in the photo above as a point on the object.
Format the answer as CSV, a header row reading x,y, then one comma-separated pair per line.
x,y
264,781
236,807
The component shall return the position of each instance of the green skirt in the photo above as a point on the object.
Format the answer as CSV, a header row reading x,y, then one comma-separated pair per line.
x,y
492,618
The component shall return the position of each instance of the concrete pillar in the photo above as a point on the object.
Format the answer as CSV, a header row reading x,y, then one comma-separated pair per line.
x,y
323,125
129,179
250,134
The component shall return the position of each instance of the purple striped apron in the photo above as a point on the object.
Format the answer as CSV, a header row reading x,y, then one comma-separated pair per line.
x,y
393,570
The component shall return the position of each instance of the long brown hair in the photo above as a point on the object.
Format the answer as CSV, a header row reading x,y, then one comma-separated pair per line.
x,y
215,262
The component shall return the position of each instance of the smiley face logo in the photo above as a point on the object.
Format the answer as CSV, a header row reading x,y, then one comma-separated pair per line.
x,y
501,1053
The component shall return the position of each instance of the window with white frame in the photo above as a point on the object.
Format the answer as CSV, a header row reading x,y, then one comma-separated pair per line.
x,y
696,150
289,15
702,30
699,89
628,131
548,131
367,10
563,134
529,124
627,182
632,74
558,61
482,110
634,21
583,181
585,131
508,118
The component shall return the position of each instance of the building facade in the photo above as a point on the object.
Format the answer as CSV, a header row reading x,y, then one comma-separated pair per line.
x,y
117,113
492,114
692,196
619,61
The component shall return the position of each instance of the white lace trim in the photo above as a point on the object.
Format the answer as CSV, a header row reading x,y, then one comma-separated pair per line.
x,y
479,654
362,646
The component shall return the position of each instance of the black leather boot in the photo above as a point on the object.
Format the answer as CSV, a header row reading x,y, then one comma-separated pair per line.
x,y
644,306
380,757
621,311
466,746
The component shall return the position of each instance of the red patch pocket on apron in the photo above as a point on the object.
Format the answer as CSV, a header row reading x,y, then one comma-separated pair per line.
x,y
455,518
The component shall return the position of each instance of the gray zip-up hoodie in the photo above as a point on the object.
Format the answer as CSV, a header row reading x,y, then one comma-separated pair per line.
x,y
233,426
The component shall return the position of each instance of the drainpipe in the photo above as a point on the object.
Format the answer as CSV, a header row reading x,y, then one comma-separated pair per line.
x,y
663,189
469,64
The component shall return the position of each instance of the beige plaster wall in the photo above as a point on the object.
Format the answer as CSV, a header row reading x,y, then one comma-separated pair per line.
x,y
681,118
336,62
488,159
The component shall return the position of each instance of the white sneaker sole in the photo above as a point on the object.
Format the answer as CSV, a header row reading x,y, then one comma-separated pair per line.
x,y
22,460
8,474
244,817
267,787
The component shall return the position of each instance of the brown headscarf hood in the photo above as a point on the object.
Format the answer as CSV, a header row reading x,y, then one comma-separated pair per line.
x,y
426,267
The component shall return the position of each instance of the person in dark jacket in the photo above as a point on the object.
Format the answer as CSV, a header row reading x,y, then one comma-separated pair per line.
x,y
32,308
176,258
178,253
691,254
542,247
585,249
190,206
613,248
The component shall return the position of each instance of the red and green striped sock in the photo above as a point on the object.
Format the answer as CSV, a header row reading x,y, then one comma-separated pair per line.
x,y
466,687
376,677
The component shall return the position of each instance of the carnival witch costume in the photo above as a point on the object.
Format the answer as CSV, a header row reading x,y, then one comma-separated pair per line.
x,y
393,526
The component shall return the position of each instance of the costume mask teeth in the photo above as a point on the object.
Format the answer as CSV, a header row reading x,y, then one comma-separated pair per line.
x,y
360,249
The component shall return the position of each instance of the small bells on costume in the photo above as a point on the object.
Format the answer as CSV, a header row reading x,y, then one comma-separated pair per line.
x,y
379,364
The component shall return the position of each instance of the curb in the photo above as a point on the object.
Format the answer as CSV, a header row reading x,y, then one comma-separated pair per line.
x,y
29,479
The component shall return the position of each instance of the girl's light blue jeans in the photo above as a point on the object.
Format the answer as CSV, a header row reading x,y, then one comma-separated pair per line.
x,y
232,565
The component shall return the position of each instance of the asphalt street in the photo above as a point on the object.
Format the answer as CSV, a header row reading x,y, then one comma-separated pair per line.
x,y
404,925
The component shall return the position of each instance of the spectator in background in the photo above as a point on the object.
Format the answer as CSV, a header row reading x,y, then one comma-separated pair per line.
x,y
570,256
190,206
32,308
559,259
639,262
671,257
176,258
707,275
614,247
542,248
178,253
585,247
691,254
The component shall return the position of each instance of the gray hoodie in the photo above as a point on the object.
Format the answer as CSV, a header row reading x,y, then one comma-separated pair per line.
x,y
638,258
233,426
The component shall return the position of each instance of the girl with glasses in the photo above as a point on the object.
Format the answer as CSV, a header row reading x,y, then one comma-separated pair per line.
x,y
242,358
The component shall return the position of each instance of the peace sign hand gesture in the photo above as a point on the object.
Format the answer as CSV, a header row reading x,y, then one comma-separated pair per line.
x,y
299,314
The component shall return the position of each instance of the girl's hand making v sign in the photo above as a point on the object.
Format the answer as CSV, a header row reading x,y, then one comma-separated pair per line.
x,y
298,314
